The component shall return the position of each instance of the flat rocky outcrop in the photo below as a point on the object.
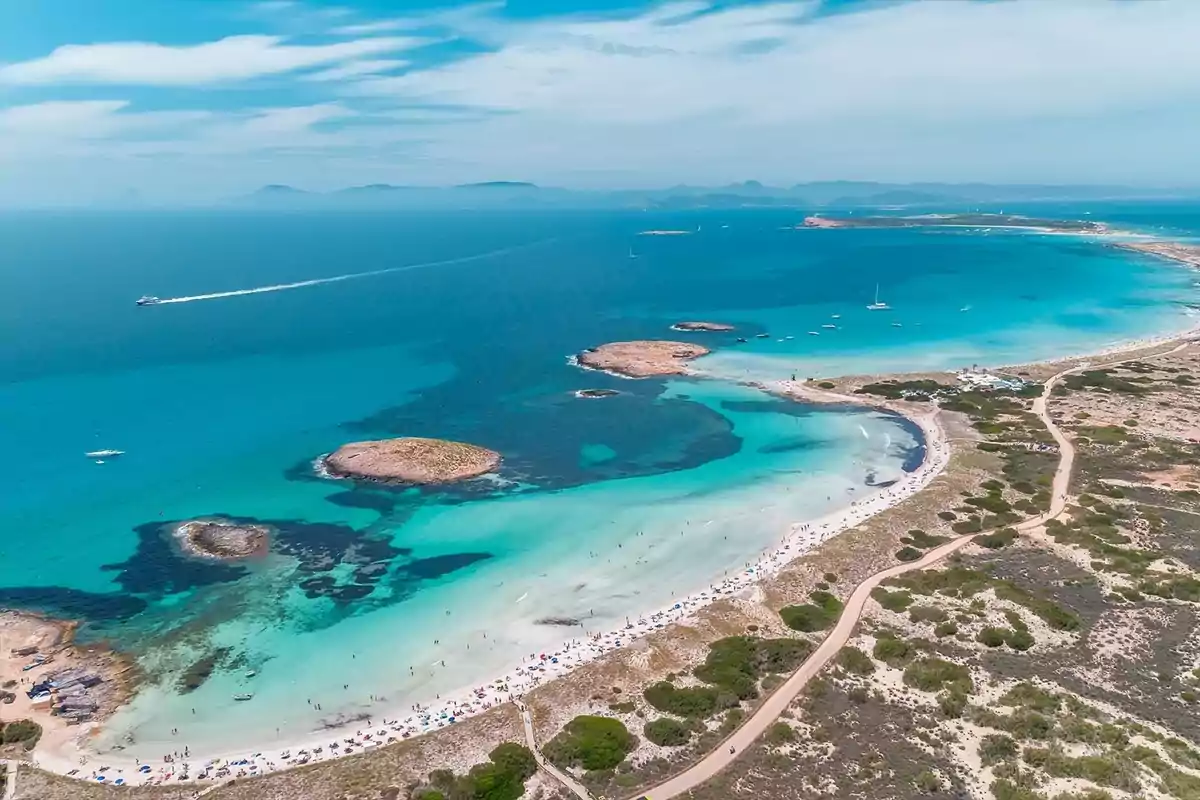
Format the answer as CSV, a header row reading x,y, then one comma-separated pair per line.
x,y
701,326
642,359
224,540
411,459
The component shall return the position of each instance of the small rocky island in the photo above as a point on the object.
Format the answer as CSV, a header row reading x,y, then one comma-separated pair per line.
x,y
701,326
224,540
642,359
591,394
411,459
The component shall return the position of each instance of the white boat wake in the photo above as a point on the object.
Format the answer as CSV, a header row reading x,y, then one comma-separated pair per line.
x,y
280,287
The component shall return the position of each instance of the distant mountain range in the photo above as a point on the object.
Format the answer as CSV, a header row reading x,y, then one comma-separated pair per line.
x,y
822,194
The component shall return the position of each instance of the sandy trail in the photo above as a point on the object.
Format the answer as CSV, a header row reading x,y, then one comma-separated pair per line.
x,y
778,702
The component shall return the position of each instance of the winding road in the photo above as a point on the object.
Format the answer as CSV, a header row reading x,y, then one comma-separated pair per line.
x,y
777,703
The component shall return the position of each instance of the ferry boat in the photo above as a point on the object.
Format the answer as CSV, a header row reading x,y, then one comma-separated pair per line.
x,y
148,300
104,454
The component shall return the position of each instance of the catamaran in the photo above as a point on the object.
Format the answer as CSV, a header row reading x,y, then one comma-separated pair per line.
x,y
877,306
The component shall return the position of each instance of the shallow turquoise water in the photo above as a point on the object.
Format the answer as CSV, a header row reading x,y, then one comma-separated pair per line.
x,y
601,504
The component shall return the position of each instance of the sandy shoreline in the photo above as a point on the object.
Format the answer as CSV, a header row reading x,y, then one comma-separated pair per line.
x,y
395,724
62,753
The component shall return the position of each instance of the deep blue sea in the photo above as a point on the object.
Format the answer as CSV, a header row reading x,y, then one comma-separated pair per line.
x,y
602,507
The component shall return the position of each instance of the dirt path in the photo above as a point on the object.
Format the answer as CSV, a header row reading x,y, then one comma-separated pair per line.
x,y
10,780
777,703
572,785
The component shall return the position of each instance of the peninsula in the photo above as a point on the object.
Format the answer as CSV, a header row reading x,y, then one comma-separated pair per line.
x,y
642,359
411,459
1188,254
222,540
958,221
716,327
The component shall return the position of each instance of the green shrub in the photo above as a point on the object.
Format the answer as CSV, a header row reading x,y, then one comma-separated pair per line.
x,y
995,748
892,601
952,704
667,732
944,629
931,674
924,540
908,554
698,701
855,661
997,539
927,782
1020,639
22,731
928,614
514,758
894,652
815,616
992,637
781,733
735,663
590,742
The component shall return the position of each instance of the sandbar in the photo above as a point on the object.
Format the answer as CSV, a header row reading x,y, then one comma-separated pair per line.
x,y
411,459
643,358
958,221
1174,251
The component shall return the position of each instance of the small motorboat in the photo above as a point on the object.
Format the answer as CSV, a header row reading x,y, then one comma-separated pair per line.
x,y
830,327
243,697
148,300
897,325
104,453
814,333
741,340
763,336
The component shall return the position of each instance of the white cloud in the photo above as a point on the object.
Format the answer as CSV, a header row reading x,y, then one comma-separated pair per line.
x,y
356,69
231,59
369,28
1069,90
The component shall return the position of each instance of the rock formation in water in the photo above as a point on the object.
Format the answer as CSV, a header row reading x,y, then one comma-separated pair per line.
x,y
701,326
411,460
223,540
641,359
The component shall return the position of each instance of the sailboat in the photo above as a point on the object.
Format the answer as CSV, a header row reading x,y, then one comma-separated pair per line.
x,y
877,306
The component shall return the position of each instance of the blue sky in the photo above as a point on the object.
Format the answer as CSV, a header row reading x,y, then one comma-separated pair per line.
x,y
180,100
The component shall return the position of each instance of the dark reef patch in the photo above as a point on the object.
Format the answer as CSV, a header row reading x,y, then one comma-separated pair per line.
x,y
157,568
63,603
361,498
541,432
428,569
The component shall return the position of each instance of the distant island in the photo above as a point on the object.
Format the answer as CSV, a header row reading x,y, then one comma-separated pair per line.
x,y
701,326
642,359
411,460
840,195
957,220
223,540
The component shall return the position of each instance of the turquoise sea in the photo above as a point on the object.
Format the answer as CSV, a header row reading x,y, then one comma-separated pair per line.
x,y
603,508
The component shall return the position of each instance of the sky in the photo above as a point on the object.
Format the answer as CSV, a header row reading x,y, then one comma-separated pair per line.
x,y
170,101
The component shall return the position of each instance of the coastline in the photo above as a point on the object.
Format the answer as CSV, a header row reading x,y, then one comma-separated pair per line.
x,y
396,724
798,537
